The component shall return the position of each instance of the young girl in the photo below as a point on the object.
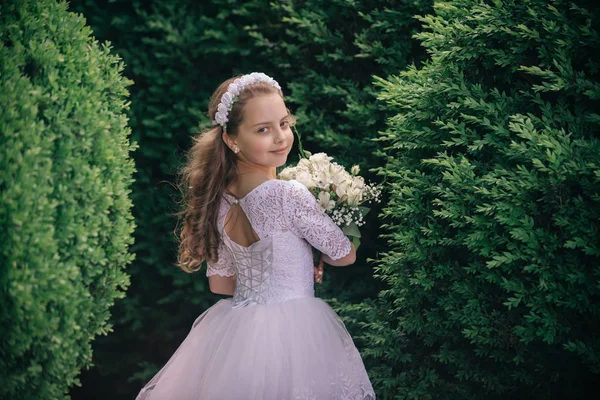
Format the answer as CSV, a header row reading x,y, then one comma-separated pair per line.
x,y
273,340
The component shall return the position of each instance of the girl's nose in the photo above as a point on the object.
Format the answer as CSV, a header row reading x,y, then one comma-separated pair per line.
x,y
280,134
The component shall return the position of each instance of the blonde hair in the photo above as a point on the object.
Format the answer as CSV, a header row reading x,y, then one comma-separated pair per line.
x,y
210,168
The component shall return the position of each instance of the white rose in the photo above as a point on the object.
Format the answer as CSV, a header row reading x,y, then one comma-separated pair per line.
x,y
340,176
336,170
354,196
320,166
341,188
336,175
303,164
355,170
325,202
320,157
358,182
288,173
306,179
323,178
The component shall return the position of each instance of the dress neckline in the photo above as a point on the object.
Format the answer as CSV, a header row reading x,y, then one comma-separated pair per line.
x,y
250,192
260,240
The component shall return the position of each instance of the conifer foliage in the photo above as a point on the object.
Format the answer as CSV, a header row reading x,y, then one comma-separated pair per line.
x,y
327,52
493,160
65,210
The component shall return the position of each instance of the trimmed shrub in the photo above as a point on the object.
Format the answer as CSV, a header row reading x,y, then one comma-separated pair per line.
x,y
64,193
493,162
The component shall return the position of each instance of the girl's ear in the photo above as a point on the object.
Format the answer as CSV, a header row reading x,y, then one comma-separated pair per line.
x,y
228,141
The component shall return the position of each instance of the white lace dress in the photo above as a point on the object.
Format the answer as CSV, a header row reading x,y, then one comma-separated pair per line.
x,y
274,340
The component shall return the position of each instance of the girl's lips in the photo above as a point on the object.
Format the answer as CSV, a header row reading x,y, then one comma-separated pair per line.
x,y
280,151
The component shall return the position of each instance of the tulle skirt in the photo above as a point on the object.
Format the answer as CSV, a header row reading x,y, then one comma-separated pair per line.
x,y
296,349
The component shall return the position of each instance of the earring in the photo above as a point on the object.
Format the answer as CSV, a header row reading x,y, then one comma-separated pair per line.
x,y
236,150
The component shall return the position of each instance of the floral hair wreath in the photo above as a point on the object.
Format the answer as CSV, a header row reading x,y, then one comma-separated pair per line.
x,y
233,90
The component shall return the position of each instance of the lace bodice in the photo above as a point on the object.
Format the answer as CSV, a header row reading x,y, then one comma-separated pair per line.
x,y
287,218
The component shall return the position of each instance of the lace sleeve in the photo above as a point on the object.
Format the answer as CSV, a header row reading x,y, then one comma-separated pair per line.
x,y
224,266
305,218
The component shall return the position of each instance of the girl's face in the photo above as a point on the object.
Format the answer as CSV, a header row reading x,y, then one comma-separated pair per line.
x,y
265,137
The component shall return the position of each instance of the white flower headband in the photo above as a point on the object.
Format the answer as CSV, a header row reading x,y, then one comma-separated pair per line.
x,y
234,89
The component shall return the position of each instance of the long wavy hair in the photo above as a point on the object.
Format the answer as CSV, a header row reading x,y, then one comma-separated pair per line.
x,y
210,168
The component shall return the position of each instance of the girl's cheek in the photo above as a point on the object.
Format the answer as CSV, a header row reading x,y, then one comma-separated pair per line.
x,y
261,146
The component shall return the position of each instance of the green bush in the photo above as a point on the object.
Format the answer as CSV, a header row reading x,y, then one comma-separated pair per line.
x,y
64,194
493,162
327,52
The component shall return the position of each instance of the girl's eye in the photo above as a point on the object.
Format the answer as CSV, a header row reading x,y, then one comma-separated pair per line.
x,y
282,124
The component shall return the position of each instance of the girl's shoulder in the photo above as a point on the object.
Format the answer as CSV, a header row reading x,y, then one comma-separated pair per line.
x,y
290,189
272,186
297,196
283,190
272,191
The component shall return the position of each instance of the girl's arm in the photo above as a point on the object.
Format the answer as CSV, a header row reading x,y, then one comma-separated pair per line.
x,y
306,219
340,262
222,284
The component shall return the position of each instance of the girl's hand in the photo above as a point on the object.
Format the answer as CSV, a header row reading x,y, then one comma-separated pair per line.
x,y
319,272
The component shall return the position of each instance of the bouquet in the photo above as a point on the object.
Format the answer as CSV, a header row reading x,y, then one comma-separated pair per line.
x,y
340,194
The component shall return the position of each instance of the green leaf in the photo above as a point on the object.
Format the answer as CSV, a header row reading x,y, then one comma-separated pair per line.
x,y
351,230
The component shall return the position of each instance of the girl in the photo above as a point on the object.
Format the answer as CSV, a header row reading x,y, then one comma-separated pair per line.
x,y
273,340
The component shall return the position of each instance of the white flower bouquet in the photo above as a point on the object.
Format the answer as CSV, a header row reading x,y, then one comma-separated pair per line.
x,y
340,194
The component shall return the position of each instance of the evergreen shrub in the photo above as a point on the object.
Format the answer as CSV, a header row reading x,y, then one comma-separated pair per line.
x,y
327,53
65,210
493,163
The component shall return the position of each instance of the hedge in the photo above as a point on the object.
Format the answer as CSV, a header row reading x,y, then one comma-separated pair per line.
x,y
493,164
64,193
